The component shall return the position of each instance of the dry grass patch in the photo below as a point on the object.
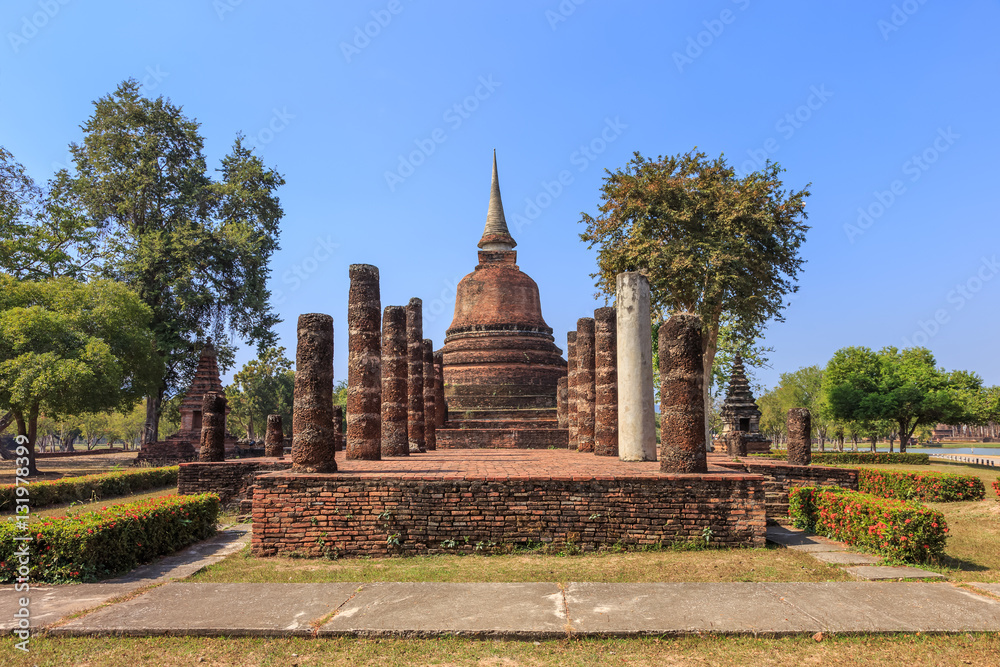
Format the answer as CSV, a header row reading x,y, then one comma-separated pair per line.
x,y
72,466
853,651
707,565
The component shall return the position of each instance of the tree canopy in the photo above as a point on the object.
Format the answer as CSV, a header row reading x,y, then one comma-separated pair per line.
x,y
262,387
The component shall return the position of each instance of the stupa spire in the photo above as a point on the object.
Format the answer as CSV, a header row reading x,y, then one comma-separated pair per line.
x,y
496,236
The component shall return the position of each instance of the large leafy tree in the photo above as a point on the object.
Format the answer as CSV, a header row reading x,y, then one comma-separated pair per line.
x,y
263,386
68,347
195,249
710,242
904,388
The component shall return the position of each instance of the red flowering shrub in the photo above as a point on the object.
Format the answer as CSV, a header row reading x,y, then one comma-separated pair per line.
x,y
996,486
897,529
98,544
929,486
104,485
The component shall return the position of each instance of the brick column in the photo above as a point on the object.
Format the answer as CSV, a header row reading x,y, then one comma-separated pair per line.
x,y
799,437
394,369
213,427
636,415
736,443
430,403
562,402
364,365
338,428
312,418
415,375
605,382
682,404
440,407
274,438
571,406
585,389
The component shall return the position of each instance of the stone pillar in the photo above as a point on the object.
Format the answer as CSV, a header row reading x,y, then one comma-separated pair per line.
x,y
440,407
338,428
312,416
571,405
736,443
605,382
213,427
585,389
682,403
636,414
562,403
430,402
415,374
394,369
364,365
799,437
274,438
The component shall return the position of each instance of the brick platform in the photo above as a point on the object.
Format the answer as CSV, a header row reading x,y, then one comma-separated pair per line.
x,y
454,500
231,480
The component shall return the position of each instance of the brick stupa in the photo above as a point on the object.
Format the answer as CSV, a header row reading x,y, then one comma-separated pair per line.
x,y
740,412
183,445
501,364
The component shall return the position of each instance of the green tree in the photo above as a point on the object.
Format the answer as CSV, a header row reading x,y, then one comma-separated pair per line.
x,y
263,386
196,250
68,347
709,242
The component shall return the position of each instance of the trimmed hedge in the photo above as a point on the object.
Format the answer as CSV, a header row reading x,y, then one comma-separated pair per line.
x,y
85,488
857,457
927,486
897,529
95,545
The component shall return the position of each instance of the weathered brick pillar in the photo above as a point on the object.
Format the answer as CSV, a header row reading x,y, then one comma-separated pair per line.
x,y
440,407
213,427
415,374
736,443
799,437
338,428
394,369
274,438
682,403
430,399
312,416
562,402
571,405
585,389
636,414
364,365
605,382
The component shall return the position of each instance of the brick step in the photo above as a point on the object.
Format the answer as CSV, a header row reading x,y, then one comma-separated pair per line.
x,y
485,438
502,423
511,402
500,414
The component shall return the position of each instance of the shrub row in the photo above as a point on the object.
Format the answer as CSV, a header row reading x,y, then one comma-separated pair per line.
x,y
88,487
857,457
996,486
95,545
929,486
897,529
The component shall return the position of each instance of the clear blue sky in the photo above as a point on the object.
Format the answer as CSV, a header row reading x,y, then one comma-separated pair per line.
x,y
850,96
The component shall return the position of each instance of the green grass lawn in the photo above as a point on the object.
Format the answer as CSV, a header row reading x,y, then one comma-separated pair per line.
x,y
982,650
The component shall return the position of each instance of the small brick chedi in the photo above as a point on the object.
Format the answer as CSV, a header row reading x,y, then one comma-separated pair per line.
x,y
501,364
185,444
739,411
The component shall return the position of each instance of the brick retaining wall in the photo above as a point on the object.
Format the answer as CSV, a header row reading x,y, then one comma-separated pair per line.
x,y
317,515
230,479
782,476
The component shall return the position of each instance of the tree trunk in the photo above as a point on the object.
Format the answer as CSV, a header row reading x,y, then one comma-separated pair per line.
x,y
29,430
6,420
151,429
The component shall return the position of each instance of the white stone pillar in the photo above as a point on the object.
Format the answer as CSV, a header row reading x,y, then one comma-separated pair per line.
x,y
636,416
